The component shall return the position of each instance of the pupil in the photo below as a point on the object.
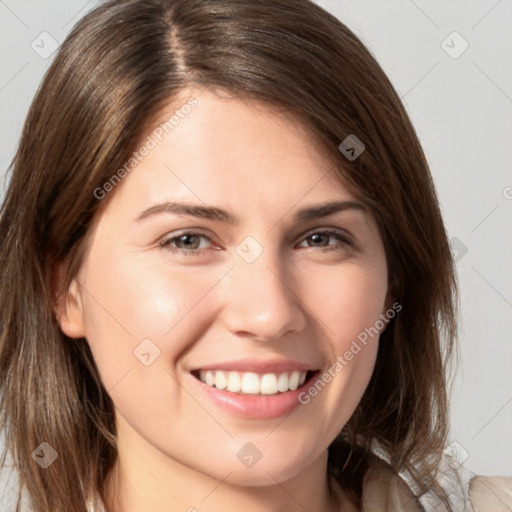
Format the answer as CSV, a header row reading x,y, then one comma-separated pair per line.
x,y
314,237
187,237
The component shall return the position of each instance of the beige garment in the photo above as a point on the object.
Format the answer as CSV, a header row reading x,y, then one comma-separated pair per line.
x,y
383,491
491,493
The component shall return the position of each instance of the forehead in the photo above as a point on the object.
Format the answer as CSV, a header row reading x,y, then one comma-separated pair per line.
x,y
224,143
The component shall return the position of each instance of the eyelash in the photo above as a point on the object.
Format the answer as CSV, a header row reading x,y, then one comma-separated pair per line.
x,y
166,242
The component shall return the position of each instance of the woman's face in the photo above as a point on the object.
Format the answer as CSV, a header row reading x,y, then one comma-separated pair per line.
x,y
256,289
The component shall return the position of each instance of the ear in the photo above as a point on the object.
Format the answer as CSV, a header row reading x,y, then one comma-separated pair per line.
x,y
390,300
392,293
68,308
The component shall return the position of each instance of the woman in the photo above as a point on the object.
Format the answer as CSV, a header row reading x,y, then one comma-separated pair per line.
x,y
171,336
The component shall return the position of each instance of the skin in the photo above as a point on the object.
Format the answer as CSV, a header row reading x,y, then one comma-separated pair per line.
x,y
294,301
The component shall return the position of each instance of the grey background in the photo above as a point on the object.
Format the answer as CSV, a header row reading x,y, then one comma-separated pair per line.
x,y
462,110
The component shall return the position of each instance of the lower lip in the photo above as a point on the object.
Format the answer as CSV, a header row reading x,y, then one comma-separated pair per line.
x,y
254,406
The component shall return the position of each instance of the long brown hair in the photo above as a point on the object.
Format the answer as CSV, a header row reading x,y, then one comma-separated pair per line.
x,y
120,64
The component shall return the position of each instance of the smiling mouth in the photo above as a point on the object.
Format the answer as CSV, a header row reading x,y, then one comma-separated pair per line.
x,y
250,383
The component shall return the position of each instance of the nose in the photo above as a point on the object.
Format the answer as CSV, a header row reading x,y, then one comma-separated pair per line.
x,y
260,300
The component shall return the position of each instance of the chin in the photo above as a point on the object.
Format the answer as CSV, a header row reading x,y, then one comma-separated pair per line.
x,y
267,473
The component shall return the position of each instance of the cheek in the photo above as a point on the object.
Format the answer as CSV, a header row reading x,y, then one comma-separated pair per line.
x,y
350,308
349,301
130,300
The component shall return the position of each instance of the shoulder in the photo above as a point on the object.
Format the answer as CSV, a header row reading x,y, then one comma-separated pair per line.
x,y
488,493
386,491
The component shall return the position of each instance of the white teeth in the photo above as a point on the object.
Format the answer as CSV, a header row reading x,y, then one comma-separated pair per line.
x,y
234,382
250,383
282,382
294,381
220,380
253,383
268,384
210,378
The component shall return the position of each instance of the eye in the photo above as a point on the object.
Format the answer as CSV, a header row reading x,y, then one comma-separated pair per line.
x,y
322,238
189,243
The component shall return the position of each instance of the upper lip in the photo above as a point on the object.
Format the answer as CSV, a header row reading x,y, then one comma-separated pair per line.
x,y
251,365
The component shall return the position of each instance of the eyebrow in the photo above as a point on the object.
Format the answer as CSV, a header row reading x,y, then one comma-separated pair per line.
x,y
221,215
